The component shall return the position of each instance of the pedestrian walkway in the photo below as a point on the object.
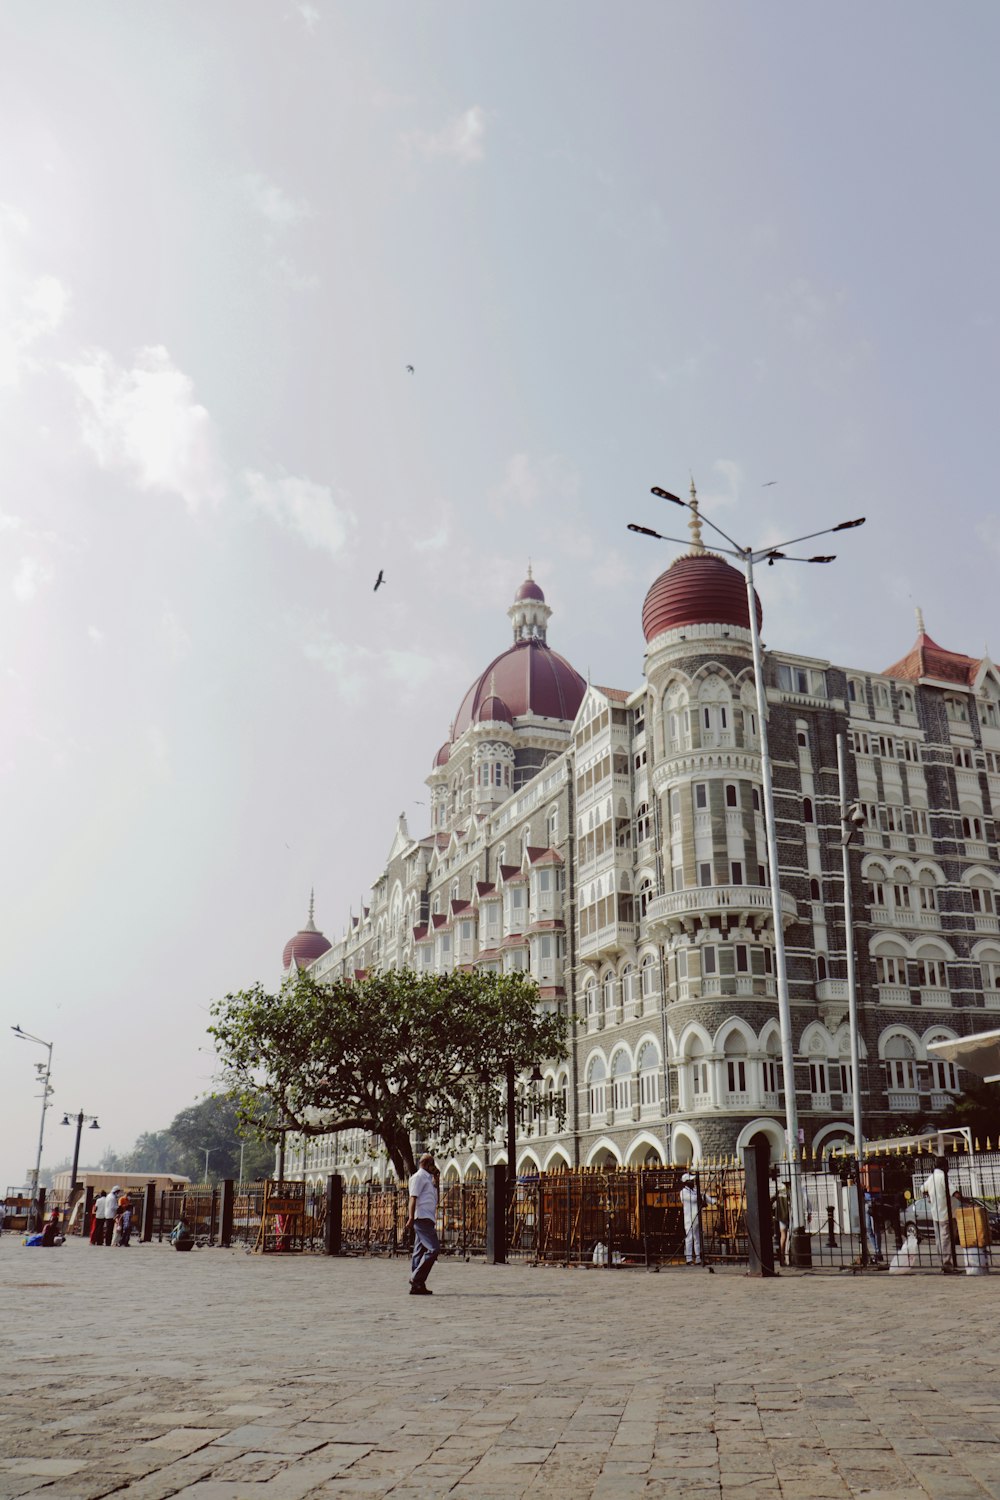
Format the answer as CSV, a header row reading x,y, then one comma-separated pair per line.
x,y
219,1375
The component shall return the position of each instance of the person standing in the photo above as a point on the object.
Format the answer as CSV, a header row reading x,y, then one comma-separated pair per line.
x,y
935,1190
97,1220
691,1202
423,1221
110,1214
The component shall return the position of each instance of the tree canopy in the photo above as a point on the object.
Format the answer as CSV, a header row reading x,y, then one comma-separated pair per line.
x,y
212,1124
404,1056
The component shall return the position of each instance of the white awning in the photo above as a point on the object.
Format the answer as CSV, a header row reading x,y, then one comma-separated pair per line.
x,y
979,1053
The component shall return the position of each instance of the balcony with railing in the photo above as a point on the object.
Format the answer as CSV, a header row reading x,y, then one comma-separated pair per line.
x,y
612,938
902,1100
673,907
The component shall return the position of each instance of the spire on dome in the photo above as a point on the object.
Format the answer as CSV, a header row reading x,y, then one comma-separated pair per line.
x,y
694,525
529,614
311,924
920,621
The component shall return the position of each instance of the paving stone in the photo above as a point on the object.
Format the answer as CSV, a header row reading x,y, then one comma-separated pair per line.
x,y
563,1391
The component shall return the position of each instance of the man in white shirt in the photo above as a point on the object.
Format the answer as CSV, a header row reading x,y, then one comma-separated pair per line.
x,y
691,1207
423,1221
110,1212
935,1190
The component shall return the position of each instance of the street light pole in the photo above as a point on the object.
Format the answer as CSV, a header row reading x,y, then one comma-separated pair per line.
x,y
45,1072
850,822
80,1119
747,556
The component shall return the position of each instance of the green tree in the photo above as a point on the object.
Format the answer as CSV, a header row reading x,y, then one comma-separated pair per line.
x,y
407,1057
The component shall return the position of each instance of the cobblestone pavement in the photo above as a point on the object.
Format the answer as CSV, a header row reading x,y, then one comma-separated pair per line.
x,y
223,1376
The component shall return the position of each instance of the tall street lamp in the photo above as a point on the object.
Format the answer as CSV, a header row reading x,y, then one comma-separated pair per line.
x,y
44,1071
851,823
748,556
81,1119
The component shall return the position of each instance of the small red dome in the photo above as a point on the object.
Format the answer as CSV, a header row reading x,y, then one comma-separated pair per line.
x,y
443,756
530,679
493,710
304,948
308,944
697,589
529,590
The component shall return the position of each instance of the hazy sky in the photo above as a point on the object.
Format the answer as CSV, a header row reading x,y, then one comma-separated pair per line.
x,y
619,244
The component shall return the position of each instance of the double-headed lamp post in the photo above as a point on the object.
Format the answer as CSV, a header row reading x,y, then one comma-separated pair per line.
x,y
748,556
81,1120
44,1076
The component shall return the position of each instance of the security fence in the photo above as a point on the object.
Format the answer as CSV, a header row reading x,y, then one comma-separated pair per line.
x,y
374,1219
896,1211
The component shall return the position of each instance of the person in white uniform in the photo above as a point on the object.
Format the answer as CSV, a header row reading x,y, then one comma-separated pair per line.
x,y
692,1218
423,1221
935,1190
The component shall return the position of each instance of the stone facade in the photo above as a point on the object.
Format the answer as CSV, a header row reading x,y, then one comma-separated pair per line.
x,y
618,854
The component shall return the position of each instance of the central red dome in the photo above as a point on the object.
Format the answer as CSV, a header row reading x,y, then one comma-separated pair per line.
x,y
697,589
531,679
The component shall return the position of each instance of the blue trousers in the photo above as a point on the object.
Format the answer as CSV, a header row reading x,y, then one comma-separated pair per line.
x,y
426,1249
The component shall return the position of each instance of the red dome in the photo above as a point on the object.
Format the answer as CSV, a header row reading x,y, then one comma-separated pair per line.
x,y
443,756
697,589
531,679
529,590
304,948
493,710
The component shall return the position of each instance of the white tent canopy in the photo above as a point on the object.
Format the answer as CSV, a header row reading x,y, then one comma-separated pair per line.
x,y
979,1053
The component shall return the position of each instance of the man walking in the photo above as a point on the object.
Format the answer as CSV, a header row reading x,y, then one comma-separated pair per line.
x,y
110,1214
691,1202
935,1190
422,1219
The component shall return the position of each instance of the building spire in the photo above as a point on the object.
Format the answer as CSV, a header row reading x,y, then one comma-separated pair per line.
x,y
311,924
920,621
694,525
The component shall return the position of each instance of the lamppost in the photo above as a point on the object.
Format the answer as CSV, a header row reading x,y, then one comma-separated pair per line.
x,y
44,1071
851,822
80,1120
208,1150
748,556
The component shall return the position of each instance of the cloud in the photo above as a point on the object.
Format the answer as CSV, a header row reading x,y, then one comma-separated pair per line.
x,y
31,308
304,507
31,575
96,635
146,423
273,205
461,138
359,671
176,641
310,16
527,480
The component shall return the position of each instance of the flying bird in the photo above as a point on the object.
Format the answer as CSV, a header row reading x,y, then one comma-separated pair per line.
x,y
379,581
767,483
409,369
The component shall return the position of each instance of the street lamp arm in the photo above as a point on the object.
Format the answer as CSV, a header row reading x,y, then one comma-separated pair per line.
x,y
793,541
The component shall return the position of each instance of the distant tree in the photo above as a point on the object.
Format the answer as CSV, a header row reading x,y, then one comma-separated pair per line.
x,y
401,1055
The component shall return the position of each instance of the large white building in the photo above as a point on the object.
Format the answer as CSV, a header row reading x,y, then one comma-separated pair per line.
x,y
610,841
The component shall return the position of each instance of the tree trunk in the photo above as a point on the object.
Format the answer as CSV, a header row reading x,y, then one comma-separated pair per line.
x,y
400,1149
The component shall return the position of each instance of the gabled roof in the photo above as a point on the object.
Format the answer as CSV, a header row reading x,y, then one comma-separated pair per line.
x,y
439,920
544,857
484,890
927,661
618,695
509,872
419,933
457,907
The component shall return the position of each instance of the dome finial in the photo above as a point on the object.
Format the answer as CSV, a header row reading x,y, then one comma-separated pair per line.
x,y
530,574
311,924
694,525
920,621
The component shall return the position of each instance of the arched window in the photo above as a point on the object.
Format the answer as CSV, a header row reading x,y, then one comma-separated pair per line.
x,y
597,1087
552,827
807,810
900,1062
649,1075
700,1086
621,1080
593,995
814,891
650,977
735,1051
821,966
644,895
609,991
643,823
944,1074
677,719
956,708
628,984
